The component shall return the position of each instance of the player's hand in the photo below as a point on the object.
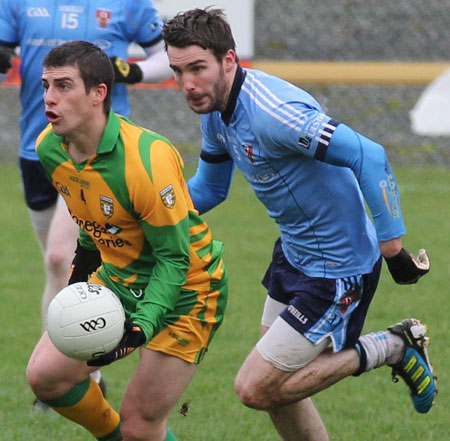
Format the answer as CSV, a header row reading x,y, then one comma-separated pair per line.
x,y
132,339
84,263
6,54
125,72
406,268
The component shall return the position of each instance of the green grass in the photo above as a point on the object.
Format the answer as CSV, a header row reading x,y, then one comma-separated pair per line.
x,y
368,408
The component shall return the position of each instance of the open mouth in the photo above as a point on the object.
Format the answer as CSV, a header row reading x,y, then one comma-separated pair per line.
x,y
52,116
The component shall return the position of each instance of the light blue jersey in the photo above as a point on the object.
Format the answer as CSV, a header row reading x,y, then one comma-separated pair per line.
x,y
310,172
39,25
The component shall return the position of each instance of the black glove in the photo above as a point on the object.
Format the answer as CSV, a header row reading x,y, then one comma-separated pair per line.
x,y
407,269
132,339
6,54
125,72
84,263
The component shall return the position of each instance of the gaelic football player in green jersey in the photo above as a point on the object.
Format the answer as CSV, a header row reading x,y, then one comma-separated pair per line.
x,y
124,188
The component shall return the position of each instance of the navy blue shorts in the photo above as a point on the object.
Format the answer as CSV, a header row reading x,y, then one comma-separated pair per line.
x,y
318,307
39,192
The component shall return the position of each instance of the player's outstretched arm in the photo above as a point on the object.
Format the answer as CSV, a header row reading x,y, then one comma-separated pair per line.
x,y
368,161
155,67
371,166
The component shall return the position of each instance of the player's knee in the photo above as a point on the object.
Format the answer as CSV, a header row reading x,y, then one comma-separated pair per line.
x,y
136,428
57,262
251,395
32,378
44,384
37,379
130,432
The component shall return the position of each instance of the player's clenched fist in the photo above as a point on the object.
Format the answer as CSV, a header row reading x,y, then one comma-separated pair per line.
x,y
406,269
132,339
84,264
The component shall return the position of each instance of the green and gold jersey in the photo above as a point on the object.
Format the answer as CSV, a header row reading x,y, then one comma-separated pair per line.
x,y
130,200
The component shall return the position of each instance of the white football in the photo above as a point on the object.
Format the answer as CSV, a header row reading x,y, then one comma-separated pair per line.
x,y
85,320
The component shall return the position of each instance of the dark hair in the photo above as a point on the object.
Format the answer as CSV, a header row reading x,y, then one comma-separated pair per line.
x,y
94,65
207,28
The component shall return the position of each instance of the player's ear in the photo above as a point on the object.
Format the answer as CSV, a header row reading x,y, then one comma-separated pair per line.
x,y
100,93
229,60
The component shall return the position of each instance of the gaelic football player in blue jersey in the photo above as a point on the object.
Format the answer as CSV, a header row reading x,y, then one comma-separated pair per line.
x,y
36,27
313,174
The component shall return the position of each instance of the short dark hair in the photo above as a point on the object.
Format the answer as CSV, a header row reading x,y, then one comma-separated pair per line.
x,y
207,28
94,65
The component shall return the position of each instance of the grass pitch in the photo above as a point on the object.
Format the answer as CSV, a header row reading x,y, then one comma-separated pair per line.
x,y
368,408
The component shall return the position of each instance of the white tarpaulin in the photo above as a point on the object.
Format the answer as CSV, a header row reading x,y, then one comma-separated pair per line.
x,y
431,114
240,14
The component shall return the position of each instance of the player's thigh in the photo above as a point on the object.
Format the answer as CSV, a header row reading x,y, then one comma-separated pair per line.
x,y
62,234
286,349
278,355
40,196
156,386
41,220
272,309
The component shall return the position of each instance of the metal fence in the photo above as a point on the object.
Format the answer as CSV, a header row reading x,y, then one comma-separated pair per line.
x,y
401,30
344,30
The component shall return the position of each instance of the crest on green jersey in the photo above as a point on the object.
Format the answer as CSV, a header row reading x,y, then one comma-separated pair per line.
x,y
168,196
107,206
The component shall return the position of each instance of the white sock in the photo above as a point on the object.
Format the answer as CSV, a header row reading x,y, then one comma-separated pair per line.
x,y
382,348
96,376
